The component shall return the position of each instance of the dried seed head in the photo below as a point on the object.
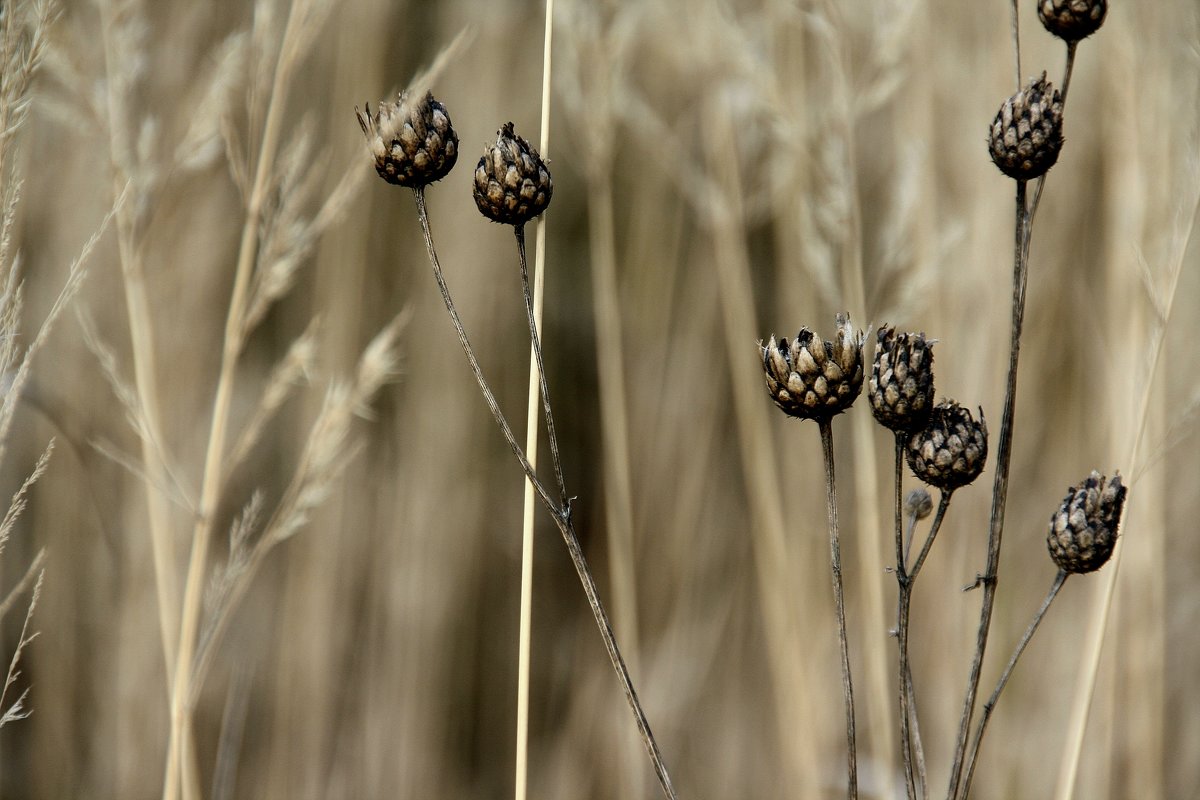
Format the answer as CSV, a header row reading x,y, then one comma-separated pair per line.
x,y
512,182
951,449
1072,20
901,385
918,504
814,379
1026,134
1083,531
413,141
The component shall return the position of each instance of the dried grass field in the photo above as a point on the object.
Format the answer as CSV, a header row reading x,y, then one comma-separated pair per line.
x,y
273,469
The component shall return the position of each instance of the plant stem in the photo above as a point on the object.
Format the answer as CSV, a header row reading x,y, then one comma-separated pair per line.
x,y
541,366
905,594
986,713
528,501
943,505
560,514
489,398
835,563
999,487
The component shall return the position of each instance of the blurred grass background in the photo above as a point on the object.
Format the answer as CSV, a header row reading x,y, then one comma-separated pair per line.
x,y
742,169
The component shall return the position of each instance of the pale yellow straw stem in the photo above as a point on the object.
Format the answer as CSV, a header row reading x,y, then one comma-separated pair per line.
x,y
531,442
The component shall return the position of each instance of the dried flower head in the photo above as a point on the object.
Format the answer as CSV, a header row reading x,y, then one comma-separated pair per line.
x,y
1083,531
901,385
1072,20
1026,134
951,449
413,141
512,182
814,379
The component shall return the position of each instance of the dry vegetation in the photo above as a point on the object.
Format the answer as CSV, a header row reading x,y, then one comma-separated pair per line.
x,y
722,171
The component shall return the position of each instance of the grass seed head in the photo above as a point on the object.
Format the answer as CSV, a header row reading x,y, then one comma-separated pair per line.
x,y
1072,20
413,141
1083,531
813,379
512,183
1026,134
901,387
951,450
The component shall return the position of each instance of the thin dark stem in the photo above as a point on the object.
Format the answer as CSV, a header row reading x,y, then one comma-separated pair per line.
x,y
999,489
835,563
1069,69
1016,36
541,365
990,705
918,749
560,514
909,728
943,505
566,527
489,398
905,596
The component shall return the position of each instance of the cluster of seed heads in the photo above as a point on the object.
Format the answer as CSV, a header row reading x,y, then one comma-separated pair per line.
x,y
414,144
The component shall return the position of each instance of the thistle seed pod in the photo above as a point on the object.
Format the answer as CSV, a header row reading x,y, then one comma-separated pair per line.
x,y
813,379
1026,134
1072,20
901,385
1083,531
951,449
512,182
413,142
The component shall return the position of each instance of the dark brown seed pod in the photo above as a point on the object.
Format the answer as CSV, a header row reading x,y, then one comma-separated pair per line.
x,y
412,141
901,385
1083,531
951,449
1026,134
813,379
512,183
1072,20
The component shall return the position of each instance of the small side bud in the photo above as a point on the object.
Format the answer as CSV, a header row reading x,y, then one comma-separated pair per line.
x,y
918,504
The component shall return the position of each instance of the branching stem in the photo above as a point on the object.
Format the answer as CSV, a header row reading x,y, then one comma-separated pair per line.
x,y
990,705
999,487
560,513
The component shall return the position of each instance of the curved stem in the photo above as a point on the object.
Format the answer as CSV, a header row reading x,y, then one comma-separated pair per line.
x,y
835,563
999,487
541,366
943,505
986,713
561,516
488,397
